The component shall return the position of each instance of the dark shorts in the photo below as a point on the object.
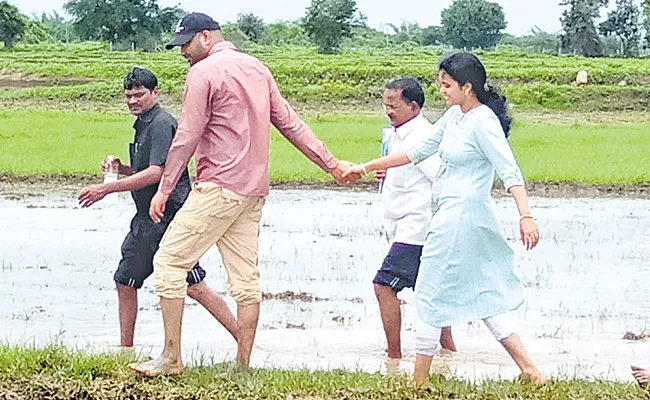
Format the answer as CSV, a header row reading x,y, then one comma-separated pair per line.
x,y
400,267
138,249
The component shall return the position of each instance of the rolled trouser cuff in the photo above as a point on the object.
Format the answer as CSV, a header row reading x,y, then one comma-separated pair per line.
x,y
501,326
170,282
246,295
427,338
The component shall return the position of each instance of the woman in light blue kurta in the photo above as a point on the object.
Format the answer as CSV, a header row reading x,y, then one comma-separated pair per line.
x,y
467,270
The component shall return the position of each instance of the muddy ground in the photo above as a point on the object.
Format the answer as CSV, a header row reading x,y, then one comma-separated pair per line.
x,y
585,316
20,186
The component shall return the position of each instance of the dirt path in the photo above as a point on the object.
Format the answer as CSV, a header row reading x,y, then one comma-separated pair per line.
x,y
18,187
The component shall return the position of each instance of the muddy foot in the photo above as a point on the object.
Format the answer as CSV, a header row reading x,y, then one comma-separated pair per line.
x,y
533,377
392,366
641,375
441,363
159,366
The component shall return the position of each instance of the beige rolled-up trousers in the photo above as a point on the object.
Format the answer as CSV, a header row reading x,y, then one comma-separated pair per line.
x,y
212,215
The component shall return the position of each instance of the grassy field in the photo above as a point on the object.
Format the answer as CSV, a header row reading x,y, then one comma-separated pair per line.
x,y
89,71
56,373
51,142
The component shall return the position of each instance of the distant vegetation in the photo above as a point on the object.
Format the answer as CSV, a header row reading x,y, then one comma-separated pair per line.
x,y
351,77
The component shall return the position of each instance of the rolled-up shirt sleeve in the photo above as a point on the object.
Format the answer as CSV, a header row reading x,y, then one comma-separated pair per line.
x,y
194,119
292,127
494,145
430,145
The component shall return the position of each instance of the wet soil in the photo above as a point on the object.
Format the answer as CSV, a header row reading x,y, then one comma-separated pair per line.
x,y
20,80
23,186
585,316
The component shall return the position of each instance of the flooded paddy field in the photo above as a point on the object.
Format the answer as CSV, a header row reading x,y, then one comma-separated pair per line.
x,y
587,300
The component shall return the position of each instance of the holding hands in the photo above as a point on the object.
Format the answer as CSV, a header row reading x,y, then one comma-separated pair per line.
x,y
355,172
348,172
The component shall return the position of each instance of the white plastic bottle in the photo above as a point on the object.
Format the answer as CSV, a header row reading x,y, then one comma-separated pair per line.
x,y
111,176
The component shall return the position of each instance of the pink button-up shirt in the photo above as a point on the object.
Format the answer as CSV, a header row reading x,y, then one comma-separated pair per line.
x,y
230,102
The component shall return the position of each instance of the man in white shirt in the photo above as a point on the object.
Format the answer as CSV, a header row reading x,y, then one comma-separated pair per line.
x,y
406,197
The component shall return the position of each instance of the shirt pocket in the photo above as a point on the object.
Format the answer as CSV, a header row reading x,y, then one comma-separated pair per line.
x,y
182,237
136,156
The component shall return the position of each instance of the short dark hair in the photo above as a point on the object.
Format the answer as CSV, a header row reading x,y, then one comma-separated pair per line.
x,y
411,90
140,77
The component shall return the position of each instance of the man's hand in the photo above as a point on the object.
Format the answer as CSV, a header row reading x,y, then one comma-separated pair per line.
x,y
91,195
341,167
354,172
117,165
111,164
157,208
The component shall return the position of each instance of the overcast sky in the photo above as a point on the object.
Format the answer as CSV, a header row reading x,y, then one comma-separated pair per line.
x,y
521,15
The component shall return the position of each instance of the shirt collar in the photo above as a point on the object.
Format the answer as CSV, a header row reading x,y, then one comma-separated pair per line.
x,y
224,45
405,129
148,115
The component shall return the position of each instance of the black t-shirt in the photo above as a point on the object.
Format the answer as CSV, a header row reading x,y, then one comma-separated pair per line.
x,y
154,131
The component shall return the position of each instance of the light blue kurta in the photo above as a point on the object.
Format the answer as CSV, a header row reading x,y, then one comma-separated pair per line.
x,y
467,271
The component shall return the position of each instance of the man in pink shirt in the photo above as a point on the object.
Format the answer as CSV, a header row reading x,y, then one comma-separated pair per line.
x,y
230,102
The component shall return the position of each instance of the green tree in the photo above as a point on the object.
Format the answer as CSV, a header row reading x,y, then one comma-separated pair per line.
x,y
580,34
232,33
366,37
624,22
536,42
328,22
12,24
646,23
433,36
408,32
252,26
141,22
35,32
284,33
60,28
470,24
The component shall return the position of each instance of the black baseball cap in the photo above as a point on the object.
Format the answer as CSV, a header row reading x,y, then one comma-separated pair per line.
x,y
189,26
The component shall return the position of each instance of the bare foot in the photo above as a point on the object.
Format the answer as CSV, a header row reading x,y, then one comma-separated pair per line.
x,y
242,363
392,366
534,376
440,364
641,375
447,340
158,366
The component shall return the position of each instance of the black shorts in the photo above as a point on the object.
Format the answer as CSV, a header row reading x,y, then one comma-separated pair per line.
x,y
138,249
400,267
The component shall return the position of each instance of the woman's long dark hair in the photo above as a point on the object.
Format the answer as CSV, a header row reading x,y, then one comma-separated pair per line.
x,y
466,67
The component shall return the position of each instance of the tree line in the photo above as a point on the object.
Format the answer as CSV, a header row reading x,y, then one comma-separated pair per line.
x,y
333,24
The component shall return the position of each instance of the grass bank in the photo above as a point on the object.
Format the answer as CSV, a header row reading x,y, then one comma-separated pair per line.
x,y
57,373
89,71
52,142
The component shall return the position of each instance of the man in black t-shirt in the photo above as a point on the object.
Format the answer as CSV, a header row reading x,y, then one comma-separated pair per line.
x,y
154,131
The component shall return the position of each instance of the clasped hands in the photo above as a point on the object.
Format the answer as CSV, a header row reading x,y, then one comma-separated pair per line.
x,y
348,172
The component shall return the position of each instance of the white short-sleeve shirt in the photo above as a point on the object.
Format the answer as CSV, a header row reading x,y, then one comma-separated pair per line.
x,y
406,190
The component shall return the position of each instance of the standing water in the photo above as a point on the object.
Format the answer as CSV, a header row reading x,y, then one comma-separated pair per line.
x,y
319,250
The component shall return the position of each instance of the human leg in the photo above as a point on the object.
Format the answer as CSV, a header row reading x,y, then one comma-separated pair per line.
x,y
503,330
127,300
239,250
202,220
427,338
